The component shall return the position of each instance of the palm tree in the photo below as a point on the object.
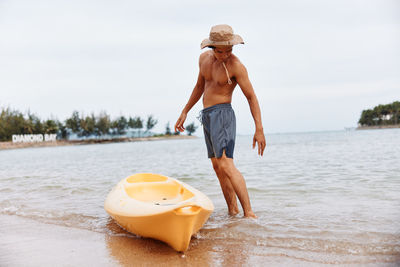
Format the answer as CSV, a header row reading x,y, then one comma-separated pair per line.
x,y
62,132
396,111
167,129
74,122
151,122
191,128
103,124
136,123
88,125
50,126
122,125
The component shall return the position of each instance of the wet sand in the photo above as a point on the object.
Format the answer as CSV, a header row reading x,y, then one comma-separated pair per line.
x,y
25,242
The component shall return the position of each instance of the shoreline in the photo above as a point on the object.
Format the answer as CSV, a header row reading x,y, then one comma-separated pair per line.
x,y
46,244
376,127
55,245
10,145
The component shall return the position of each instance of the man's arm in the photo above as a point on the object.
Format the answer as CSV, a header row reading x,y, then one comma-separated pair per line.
x,y
194,97
243,80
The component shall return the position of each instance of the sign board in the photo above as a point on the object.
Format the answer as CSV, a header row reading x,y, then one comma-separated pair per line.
x,y
33,138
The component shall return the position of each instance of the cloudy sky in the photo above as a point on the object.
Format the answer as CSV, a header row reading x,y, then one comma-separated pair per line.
x,y
315,65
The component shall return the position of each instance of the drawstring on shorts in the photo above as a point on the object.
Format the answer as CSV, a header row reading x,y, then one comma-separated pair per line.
x,y
200,117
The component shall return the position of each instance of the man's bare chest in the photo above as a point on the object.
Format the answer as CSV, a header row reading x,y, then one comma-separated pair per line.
x,y
215,73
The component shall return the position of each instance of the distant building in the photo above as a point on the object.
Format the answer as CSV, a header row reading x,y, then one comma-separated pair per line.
x,y
386,117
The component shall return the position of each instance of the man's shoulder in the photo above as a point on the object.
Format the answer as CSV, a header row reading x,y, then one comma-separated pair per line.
x,y
234,60
205,55
236,63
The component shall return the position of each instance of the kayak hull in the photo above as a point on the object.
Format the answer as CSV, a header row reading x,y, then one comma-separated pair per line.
x,y
159,207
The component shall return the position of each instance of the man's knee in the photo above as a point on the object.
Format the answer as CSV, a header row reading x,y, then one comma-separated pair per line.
x,y
225,166
216,168
215,165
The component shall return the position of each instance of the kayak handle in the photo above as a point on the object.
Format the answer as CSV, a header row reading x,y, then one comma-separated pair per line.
x,y
188,209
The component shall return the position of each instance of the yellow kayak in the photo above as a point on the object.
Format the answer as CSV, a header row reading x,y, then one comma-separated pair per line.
x,y
159,207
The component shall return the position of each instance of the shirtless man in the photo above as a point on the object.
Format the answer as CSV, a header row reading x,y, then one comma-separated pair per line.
x,y
220,72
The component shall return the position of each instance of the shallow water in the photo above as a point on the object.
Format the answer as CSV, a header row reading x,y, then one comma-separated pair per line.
x,y
326,197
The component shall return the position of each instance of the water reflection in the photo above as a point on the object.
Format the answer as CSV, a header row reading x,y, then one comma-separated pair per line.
x,y
204,250
131,250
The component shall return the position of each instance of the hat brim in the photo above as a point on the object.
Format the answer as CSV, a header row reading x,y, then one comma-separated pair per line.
x,y
235,40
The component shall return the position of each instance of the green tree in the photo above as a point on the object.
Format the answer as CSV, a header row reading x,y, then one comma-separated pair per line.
x,y
11,122
120,125
136,123
88,125
74,122
50,126
396,112
103,124
366,117
34,124
62,130
131,122
151,122
113,127
387,114
168,129
191,128
29,124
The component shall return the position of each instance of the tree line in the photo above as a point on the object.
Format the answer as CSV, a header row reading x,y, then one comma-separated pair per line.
x,y
388,114
83,126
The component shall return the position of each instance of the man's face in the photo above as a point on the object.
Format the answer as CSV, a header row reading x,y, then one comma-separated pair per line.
x,y
222,53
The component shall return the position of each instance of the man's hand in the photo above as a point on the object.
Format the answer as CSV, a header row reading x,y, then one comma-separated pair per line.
x,y
259,138
179,123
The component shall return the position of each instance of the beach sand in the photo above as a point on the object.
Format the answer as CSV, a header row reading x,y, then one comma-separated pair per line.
x,y
26,242
12,145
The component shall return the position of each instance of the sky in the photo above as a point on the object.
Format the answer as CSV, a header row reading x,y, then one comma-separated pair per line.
x,y
314,64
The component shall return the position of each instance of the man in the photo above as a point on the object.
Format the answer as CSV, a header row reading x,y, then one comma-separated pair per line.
x,y
220,72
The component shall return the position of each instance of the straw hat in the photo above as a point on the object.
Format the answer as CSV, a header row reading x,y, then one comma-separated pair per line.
x,y
222,35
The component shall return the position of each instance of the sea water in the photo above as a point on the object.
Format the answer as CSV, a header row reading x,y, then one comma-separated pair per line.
x,y
323,197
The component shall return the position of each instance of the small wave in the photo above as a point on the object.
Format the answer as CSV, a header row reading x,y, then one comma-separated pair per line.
x,y
9,179
6,190
51,187
47,188
256,190
81,190
112,228
310,249
314,240
82,221
185,179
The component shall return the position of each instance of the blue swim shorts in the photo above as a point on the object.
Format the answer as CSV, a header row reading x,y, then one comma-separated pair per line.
x,y
219,126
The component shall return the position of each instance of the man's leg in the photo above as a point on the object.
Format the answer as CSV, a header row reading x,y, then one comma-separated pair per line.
x,y
228,170
227,188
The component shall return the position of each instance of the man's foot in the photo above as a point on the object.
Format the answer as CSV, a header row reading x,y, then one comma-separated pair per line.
x,y
250,214
233,212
